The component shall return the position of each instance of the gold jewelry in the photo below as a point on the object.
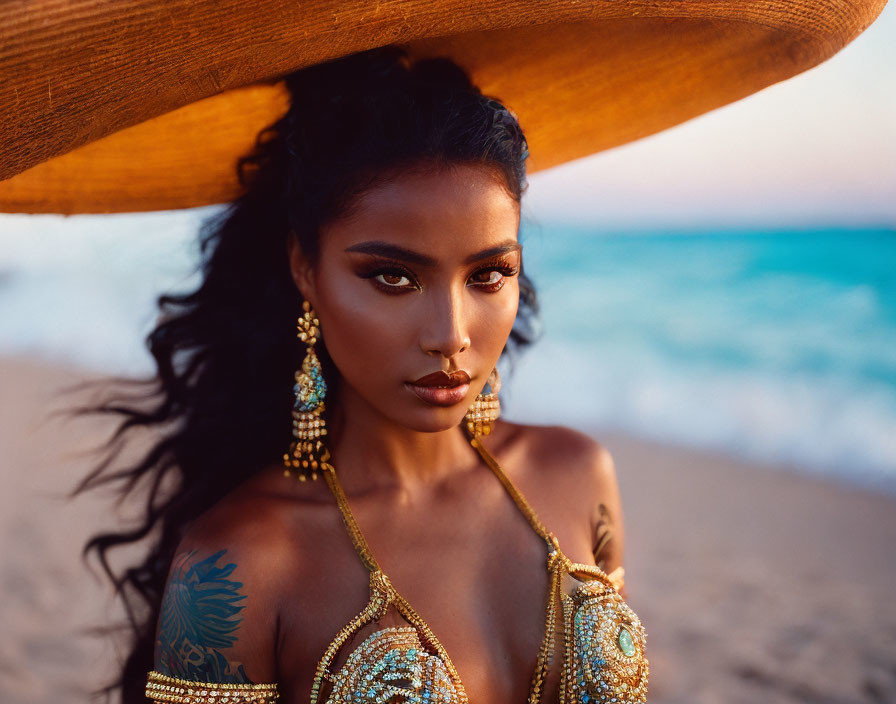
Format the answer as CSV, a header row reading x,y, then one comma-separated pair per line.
x,y
164,689
486,408
601,642
307,453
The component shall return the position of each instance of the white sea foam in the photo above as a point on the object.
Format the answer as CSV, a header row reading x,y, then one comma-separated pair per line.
x,y
83,289
827,427
776,347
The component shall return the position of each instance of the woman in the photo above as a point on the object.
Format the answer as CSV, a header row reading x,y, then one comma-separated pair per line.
x,y
382,213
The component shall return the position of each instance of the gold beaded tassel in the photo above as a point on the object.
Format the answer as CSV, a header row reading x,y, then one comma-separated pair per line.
x,y
308,453
486,408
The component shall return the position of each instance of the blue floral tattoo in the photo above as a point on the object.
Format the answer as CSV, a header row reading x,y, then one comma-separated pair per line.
x,y
200,615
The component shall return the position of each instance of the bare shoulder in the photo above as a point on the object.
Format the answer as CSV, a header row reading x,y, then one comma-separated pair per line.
x,y
559,450
576,474
220,606
251,522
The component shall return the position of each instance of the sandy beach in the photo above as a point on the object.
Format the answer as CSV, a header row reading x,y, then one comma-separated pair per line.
x,y
755,584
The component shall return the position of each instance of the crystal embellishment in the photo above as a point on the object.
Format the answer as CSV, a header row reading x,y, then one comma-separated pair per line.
x,y
606,641
391,665
625,642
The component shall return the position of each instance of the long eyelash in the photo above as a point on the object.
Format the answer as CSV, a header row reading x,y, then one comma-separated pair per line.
x,y
499,265
393,271
386,266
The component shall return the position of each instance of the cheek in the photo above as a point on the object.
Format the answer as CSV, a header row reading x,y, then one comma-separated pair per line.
x,y
365,333
373,338
495,315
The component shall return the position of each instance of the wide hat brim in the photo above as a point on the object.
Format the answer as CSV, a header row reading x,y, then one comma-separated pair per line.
x,y
136,105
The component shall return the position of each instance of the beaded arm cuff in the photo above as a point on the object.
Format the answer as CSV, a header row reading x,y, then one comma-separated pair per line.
x,y
164,689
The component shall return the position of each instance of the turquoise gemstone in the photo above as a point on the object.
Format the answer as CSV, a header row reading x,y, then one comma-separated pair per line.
x,y
626,642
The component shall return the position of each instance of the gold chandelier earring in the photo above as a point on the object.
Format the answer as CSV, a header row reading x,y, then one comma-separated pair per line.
x,y
307,453
486,408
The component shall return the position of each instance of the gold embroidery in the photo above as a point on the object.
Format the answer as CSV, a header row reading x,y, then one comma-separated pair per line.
x,y
605,648
172,690
603,641
384,596
392,665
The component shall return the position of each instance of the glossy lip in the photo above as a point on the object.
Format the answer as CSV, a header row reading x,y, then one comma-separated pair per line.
x,y
441,378
441,388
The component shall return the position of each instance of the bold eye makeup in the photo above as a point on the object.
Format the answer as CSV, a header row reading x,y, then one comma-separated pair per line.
x,y
388,276
492,275
392,277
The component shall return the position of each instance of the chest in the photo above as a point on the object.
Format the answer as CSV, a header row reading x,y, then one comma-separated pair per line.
x,y
469,564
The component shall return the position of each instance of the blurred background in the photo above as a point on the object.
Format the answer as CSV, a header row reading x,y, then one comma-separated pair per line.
x,y
719,309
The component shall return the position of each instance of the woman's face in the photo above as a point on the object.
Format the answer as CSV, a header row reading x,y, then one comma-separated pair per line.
x,y
421,278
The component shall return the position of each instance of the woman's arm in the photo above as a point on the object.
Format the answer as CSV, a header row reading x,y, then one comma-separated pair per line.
x,y
607,526
217,624
592,481
202,634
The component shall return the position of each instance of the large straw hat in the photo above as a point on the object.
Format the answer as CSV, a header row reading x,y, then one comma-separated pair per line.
x,y
124,105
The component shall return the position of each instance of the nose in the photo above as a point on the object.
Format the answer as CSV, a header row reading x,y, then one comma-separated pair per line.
x,y
444,332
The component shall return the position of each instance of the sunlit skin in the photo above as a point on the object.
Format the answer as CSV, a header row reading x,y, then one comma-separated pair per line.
x,y
437,520
422,278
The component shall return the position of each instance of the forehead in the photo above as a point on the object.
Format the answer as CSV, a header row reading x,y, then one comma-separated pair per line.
x,y
447,211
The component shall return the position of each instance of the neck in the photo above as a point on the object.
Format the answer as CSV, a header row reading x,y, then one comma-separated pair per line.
x,y
370,452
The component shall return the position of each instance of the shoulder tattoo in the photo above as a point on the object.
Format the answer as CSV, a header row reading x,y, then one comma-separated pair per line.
x,y
200,616
603,534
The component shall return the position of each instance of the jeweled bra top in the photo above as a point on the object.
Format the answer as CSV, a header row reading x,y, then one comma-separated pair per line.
x,y
599,639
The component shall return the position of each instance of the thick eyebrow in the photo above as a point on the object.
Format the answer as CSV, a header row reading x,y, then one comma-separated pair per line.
x,y
393,251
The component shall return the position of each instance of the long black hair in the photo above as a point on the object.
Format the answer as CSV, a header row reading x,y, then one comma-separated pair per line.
x,y
226,352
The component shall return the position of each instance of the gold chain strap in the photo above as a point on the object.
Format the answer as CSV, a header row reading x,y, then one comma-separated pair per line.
x,y
557,562
416,620
515,494
354,531
546,651
360,542
392,595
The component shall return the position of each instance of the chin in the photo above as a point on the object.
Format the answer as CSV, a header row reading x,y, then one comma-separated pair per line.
x,y
435,420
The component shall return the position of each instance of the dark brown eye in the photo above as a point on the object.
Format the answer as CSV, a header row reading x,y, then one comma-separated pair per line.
x,y
488,277
492,278
393,279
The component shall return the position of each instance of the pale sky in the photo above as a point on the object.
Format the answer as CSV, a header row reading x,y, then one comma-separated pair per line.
x,y
819,148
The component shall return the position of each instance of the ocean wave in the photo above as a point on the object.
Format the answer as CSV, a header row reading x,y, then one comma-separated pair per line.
x,y
774,346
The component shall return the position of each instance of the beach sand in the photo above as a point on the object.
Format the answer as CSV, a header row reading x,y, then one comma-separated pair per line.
x,y
754,584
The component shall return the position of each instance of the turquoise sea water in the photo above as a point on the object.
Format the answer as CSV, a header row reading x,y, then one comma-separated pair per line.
x,y
779,346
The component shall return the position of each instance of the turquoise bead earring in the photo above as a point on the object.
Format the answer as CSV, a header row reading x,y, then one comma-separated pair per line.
x,y
307,453
486,408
